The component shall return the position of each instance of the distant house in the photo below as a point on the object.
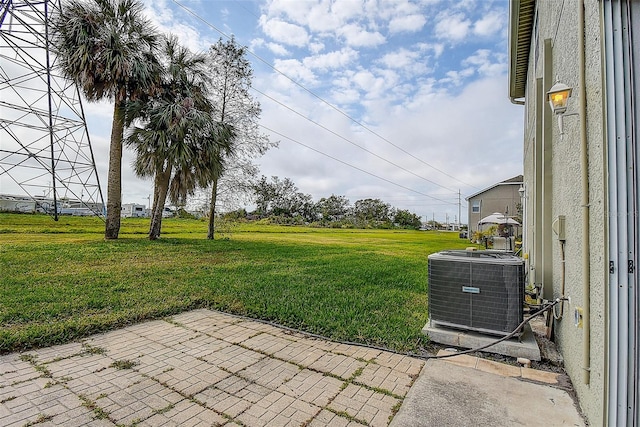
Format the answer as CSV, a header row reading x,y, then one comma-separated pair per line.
x,y
581,188
503,197
132,210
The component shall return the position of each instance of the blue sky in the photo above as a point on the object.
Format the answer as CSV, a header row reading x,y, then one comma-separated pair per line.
x,y
400,100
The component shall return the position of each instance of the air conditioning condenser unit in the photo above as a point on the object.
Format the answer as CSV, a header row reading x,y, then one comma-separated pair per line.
x,y
476,290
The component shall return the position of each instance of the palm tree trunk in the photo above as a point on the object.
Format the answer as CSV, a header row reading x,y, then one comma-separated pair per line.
x,y
161,189
153,224
114,177
212,209
155,199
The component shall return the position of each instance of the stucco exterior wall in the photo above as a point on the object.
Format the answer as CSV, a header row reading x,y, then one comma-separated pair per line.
x,y
558,22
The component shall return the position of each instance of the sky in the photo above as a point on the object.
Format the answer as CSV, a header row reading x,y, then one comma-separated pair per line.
x,y
401,100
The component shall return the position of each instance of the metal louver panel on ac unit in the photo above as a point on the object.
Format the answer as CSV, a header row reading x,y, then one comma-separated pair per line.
x,y
476,290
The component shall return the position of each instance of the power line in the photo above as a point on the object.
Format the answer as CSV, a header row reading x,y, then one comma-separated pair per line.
x,y
355,167
349,141
318,97
402,199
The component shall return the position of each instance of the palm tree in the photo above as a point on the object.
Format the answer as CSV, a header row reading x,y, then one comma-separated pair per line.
x,y
177,137
214,146
108,48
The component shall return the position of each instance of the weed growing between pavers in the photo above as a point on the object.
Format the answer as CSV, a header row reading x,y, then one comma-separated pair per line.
x,y
90,349
124,364
165,409
346,415
33,360
395,410
42,418
98,412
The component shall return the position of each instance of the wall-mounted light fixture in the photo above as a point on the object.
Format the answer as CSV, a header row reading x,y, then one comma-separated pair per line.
x,y
558,97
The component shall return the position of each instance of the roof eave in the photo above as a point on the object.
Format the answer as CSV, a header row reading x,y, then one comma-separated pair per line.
x,y
492,187
521,18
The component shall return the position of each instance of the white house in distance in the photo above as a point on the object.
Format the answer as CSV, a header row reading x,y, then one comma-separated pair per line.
x,y
582,187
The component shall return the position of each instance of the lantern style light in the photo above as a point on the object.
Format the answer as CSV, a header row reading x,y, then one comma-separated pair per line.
x,y
559,97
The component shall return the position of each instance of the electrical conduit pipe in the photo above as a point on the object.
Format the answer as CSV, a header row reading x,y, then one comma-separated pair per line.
x,y
584,166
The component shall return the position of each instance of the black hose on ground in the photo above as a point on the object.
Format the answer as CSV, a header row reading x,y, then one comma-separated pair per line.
x,y
419,356
506,337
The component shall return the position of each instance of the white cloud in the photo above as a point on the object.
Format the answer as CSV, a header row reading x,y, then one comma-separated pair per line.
x,y
278,49
322,19
436,48
256,44
402,58
319,16
490,24
342,94
346,10
294,10
430,128
369,83
391,78
316,47
295,70
331,60
355,89
356,36
452,27
284,32
166,22
102,108
408,23
457,77
487,63
158,11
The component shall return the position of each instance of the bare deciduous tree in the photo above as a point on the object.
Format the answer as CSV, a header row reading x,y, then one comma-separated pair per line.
x,y
231,76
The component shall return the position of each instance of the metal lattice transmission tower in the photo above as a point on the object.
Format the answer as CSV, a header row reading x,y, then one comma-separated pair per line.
x,y
45,151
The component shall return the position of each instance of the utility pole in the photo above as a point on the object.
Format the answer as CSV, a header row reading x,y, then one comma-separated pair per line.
x,y
459,208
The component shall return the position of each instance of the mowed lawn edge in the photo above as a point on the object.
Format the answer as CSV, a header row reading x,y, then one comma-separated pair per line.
x,y
61,281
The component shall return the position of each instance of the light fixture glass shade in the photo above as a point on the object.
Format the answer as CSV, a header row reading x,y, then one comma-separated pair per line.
x,y
558,97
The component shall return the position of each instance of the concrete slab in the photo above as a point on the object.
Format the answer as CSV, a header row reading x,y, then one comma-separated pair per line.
x,y
448,394
526,346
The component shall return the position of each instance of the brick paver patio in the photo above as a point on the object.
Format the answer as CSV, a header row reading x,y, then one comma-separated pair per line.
x,y
204,368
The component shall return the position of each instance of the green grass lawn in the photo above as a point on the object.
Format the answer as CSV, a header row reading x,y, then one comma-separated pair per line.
x,y
60,281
